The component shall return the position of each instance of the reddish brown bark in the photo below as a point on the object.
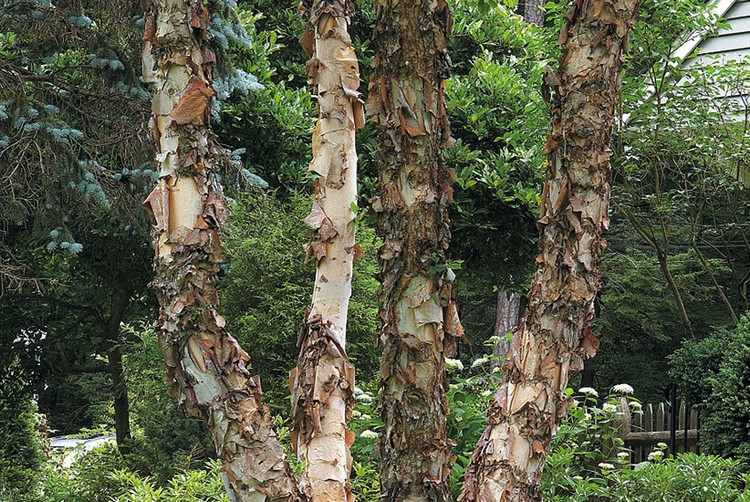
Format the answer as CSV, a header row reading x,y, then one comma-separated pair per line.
x,y
418,313
208,372
555,337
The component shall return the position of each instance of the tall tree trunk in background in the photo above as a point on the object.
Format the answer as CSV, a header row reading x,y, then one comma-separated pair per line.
x,y
120,299
532,12
555,334
208,372
506,319
418,313
323,381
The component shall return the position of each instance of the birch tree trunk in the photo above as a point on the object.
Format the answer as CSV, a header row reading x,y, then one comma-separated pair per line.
x,y
208,372
323,381
555,334
418,313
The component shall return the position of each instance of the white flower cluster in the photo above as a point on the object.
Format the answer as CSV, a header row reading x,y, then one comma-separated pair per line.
x,y
454,364
623,388
588,391
362,396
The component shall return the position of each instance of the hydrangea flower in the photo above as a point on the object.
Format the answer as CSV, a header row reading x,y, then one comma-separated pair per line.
x,y
623,388
364,398
588,391
480,362
368,434
656,455
606,466
454,364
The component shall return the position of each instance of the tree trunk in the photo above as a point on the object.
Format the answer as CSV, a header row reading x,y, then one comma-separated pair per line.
x,y
555,334
323,381
532,12
120,299
679,301
208,372
506,320
419,320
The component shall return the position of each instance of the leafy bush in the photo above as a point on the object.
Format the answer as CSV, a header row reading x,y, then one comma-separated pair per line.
x,y
188,486
21,448
166,441
726,416
588,462
689,477
587,440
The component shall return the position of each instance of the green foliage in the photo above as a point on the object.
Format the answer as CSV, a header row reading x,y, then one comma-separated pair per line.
x,y
268,286
21,448
166,440
188,486
468,399
588,439
588,462
687,478
725,421
638,318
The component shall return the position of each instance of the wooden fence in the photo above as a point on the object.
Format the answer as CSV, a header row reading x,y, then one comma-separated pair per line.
x,y
642,431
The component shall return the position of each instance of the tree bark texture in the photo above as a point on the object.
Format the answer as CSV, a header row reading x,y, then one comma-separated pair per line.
x,y
532,11
419,319
208,372
506,320
555,336
323,380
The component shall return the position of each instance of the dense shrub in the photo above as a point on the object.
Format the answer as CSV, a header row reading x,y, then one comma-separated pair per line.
x,y
588,462
166,440
726,416
21,448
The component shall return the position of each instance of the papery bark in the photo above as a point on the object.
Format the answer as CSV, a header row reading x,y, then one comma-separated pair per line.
x,y
419,320
208,372
323,380
555,336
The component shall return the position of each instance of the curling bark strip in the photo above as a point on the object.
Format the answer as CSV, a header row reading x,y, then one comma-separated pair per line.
x,y
419,320
555,337
208,372
323,380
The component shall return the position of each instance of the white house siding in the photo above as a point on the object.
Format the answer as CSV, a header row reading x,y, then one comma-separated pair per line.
x,y
733,42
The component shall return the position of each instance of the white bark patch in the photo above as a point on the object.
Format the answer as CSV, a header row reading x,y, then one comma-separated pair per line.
x,y
185,203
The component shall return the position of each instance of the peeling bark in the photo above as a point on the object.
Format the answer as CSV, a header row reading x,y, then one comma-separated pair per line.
x,y
323,380
419,320
555,336
208,372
